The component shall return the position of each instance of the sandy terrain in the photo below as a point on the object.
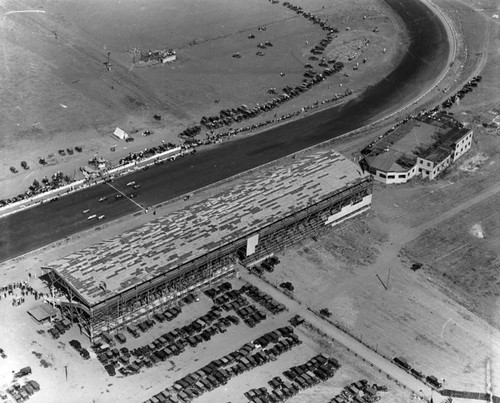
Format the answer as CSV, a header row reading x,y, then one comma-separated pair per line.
x,y
59,94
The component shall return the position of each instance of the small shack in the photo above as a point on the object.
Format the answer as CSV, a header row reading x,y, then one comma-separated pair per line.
x,y
42,313
121,134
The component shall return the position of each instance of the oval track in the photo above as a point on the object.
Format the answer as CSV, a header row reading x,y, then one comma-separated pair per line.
x,y
425,59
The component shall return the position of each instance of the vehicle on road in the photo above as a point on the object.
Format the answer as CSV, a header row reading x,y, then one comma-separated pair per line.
x,y
92,217
186,197
132,195
103,199
101,217
136,186
87,210
118,196
23,372
131,184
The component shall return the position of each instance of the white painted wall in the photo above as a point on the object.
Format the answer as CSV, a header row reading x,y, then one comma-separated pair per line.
x,y
357,208
252,243
465,143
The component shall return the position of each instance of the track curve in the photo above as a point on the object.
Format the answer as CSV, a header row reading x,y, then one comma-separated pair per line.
x,y
426,58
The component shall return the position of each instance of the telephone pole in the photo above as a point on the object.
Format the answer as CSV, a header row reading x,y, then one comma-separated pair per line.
x,y
108,63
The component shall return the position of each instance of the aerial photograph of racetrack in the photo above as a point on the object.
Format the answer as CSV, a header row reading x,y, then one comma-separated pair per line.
x,y
250,201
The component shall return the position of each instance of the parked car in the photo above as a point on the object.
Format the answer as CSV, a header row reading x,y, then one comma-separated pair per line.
x,y
23,372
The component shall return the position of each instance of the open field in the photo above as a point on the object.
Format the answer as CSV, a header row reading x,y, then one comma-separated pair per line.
x,y
59,94
443,318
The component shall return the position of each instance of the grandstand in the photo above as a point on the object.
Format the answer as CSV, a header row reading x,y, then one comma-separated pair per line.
x,y
116,281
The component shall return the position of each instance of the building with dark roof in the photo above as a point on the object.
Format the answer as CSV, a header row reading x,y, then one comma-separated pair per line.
x,y
423,146
116,281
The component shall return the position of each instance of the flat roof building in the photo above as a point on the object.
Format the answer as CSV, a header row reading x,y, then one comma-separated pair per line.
x,y
422,146
114,281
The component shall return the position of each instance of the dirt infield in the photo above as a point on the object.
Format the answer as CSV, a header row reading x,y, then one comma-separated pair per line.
x,y
60,94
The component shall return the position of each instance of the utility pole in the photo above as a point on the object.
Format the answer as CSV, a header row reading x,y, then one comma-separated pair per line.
x,y
108,63
381,281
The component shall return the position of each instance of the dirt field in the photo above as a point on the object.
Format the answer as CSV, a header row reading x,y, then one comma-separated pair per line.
x,y
58,93
444,318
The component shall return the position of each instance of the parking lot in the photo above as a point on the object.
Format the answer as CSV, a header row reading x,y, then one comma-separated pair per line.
x,y
214,345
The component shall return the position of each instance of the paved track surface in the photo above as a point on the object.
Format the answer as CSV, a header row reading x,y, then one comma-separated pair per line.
x,y
425,59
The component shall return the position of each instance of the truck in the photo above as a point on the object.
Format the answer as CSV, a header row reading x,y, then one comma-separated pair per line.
x,y
23,372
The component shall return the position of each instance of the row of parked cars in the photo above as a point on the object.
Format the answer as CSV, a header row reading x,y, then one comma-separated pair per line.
x,y
430,379
148,152
359,391
267,264
42,161
60,326
169,344
80,349
250,315
264,299
314,371
469,87
235,300
57,180
21,393
220,371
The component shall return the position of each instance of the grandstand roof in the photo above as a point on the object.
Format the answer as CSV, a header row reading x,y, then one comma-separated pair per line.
x,y
166,243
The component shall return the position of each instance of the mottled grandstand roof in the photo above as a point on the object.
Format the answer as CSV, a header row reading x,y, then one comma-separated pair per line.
x,y
165,243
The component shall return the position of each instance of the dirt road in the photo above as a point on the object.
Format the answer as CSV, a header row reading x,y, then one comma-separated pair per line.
x,y
379,362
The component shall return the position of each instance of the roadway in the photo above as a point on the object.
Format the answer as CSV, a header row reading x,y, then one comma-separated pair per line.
x,y
373,358
424,60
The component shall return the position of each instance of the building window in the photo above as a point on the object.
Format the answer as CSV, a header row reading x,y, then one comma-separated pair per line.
x,y
402,176
427,172
391,176
420,170
382,175
428,164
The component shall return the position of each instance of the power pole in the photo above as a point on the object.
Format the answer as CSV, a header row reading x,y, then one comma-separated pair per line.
x,y
381,281
108,63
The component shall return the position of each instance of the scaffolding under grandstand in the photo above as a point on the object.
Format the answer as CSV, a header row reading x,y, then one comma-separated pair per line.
x,y
116,281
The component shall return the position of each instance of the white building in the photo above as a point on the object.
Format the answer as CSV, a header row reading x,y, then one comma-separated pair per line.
x,y
423,148
120,134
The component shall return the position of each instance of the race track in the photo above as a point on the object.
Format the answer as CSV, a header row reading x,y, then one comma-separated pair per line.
x,y
426,58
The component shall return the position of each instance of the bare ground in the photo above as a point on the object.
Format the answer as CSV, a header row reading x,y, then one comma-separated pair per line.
x,y
29,344
58,94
